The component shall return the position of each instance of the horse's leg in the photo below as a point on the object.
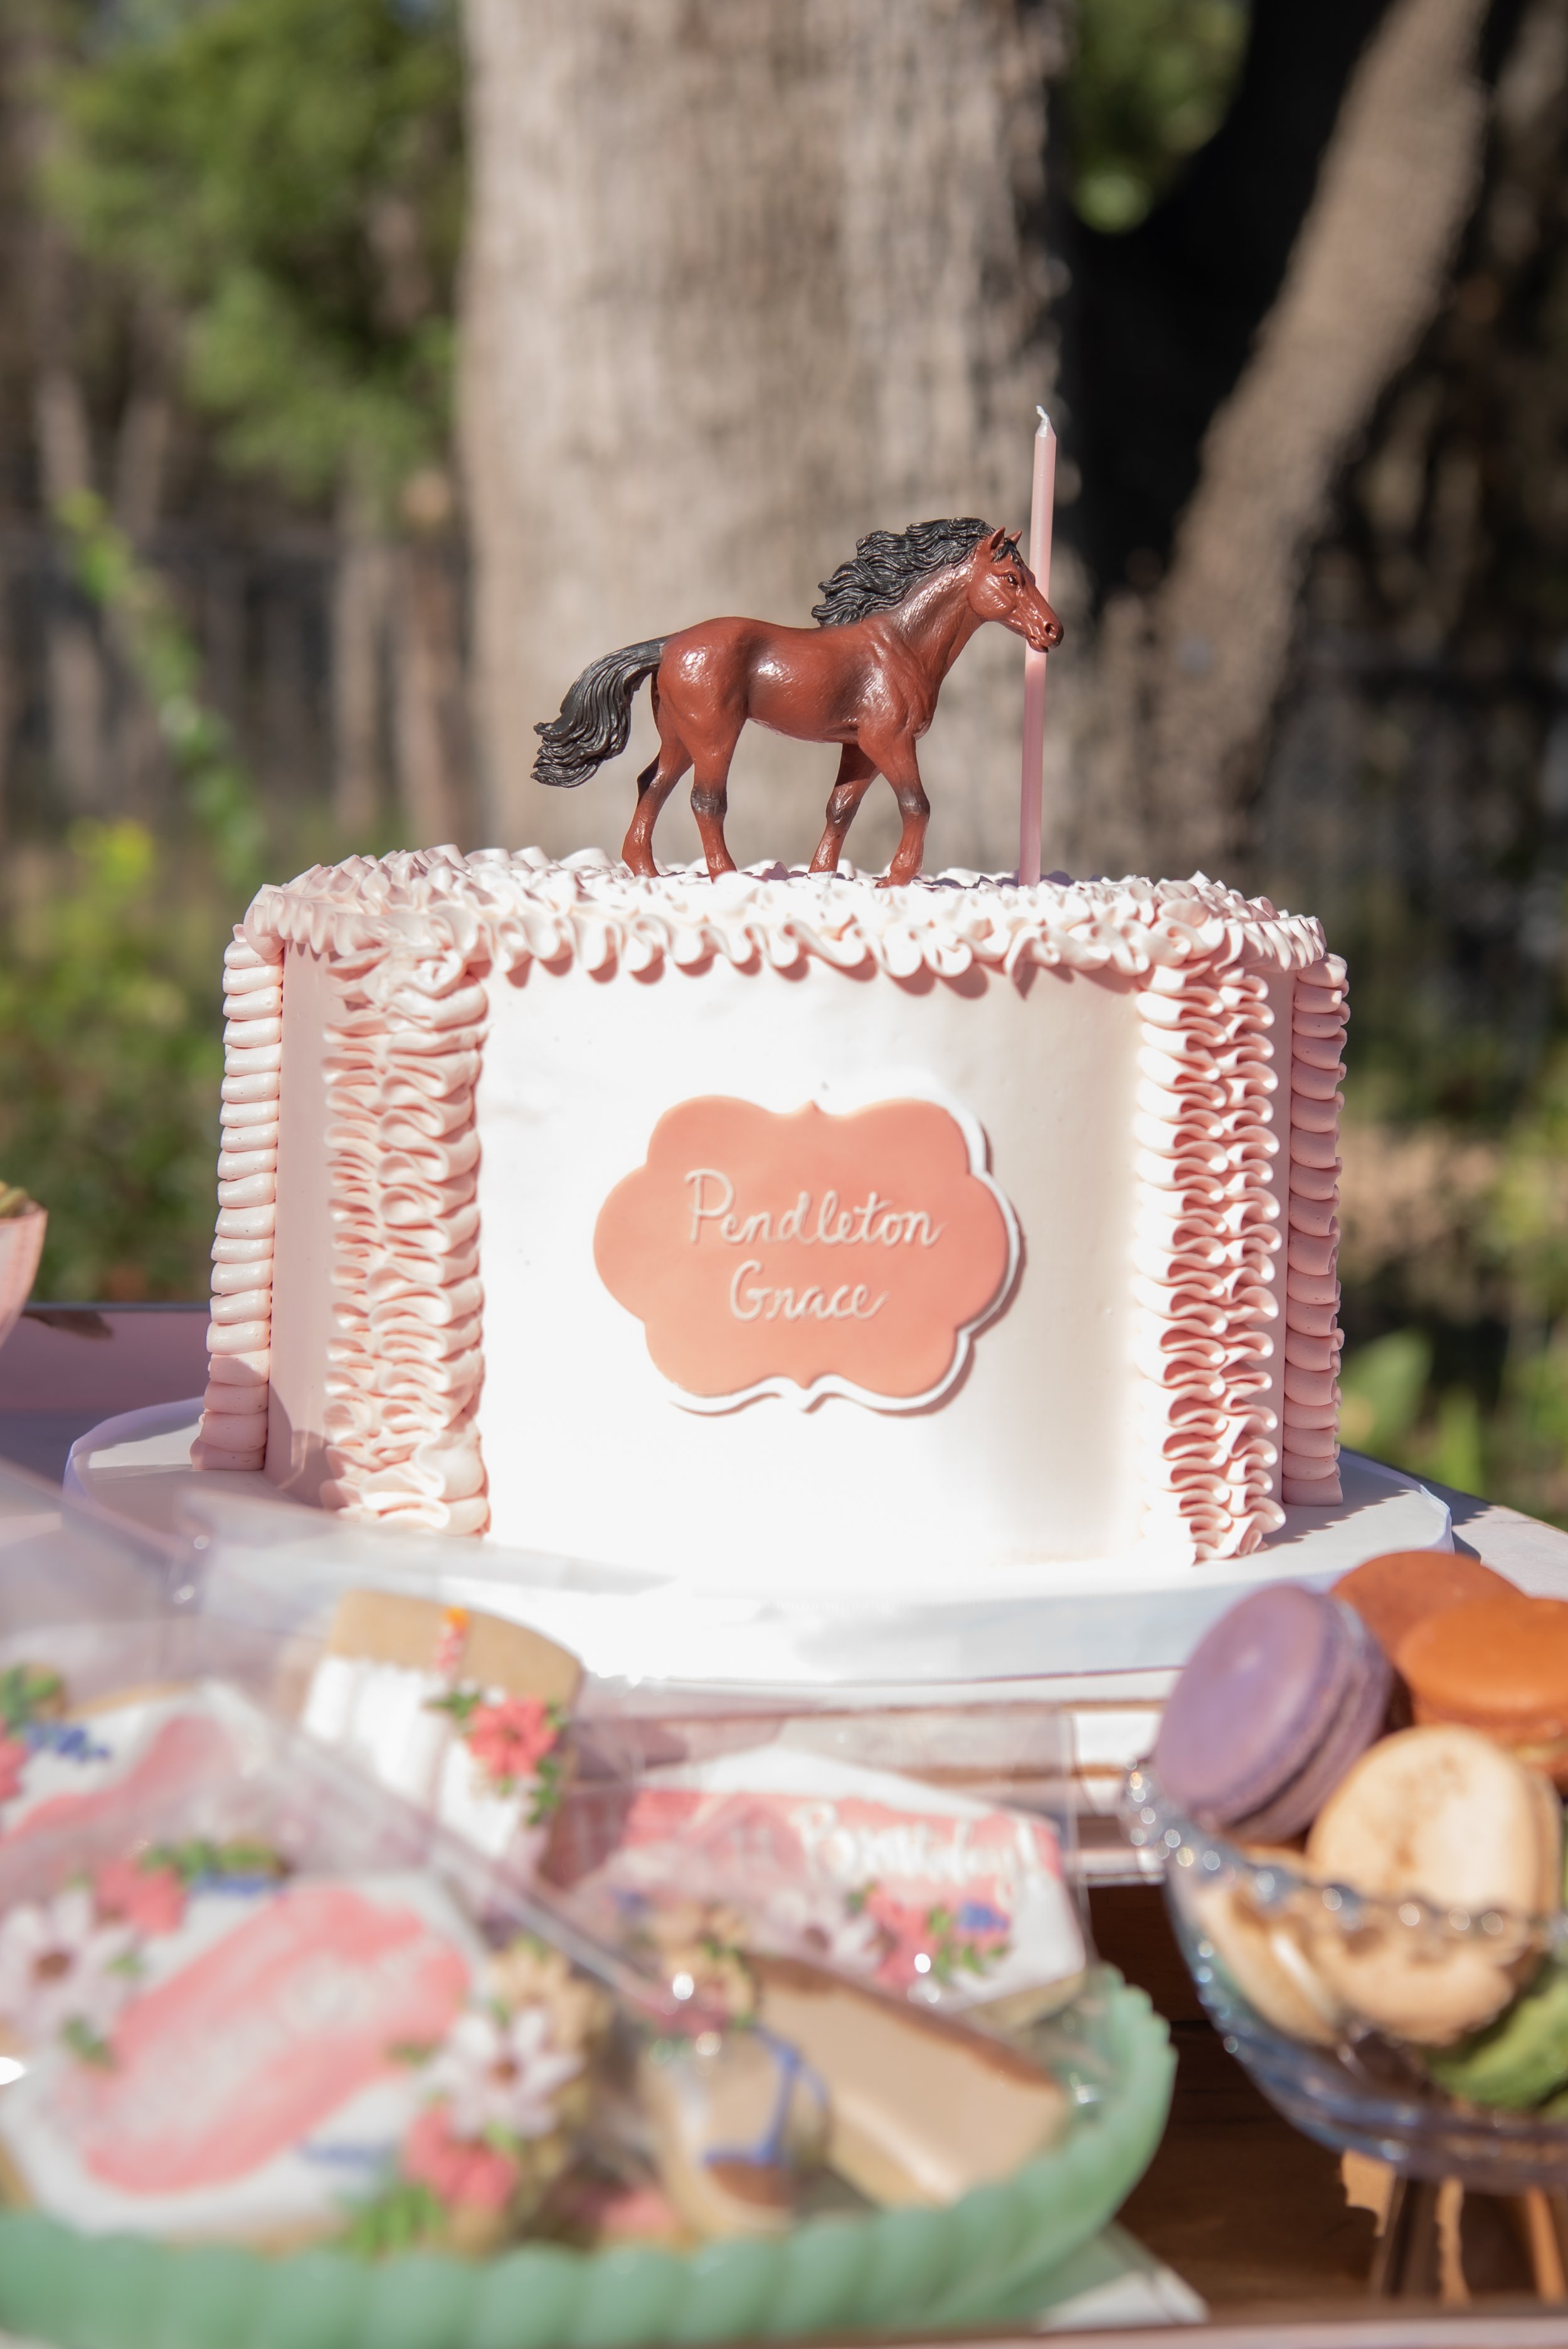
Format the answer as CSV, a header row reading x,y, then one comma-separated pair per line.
x,y
655,785
903,772
710,798
856,775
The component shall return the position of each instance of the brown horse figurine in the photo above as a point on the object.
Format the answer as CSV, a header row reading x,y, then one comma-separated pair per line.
x,y
892,623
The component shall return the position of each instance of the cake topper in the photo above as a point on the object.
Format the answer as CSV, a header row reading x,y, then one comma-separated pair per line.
x,y
892,622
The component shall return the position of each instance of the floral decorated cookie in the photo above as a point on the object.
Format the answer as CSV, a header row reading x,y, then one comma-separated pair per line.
x,y
504,1761
32,1722
504,2096
65,1970
67,1965
214,2049
458,1712
65,1775
926,1893
210,2048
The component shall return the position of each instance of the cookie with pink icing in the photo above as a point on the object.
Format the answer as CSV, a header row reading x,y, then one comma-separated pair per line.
x,y
214,2051
94,1774
921,1890
459,1713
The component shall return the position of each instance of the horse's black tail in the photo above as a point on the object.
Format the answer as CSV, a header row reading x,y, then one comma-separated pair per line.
x,y
595,717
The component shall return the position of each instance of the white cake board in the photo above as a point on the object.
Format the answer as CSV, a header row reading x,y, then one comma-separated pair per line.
x,y
1120,1617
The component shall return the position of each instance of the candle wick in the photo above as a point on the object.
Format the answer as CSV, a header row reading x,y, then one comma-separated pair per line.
x,y
1045,420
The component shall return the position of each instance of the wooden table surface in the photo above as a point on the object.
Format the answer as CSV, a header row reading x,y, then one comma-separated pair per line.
x,y
1240,2204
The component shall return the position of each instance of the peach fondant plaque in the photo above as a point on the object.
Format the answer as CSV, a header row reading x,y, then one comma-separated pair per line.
x,y
809,1254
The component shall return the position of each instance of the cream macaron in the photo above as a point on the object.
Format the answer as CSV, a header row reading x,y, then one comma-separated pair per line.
x,y
1441,1817
1263,1952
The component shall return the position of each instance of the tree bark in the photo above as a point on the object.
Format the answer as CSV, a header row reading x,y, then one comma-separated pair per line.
x,y
74,655
74,665
741,284
1364,281
10,697
359,605
139,762
141,453
426,673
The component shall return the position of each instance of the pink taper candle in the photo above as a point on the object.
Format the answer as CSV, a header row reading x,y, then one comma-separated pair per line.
x,y
1032,789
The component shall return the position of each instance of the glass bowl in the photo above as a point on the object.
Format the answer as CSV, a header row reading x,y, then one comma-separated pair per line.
x,y
1366,2092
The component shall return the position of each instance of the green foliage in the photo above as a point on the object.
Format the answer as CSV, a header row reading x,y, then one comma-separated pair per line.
x,y
1152,82
110,1057
166,665
288,175
1511,1444
1451,1411
1526,1227
1383,1386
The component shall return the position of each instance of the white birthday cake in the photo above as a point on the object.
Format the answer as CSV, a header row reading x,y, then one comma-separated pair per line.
x,y
785,1232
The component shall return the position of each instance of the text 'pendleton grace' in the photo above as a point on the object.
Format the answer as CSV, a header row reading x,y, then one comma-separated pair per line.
x,y
871,1222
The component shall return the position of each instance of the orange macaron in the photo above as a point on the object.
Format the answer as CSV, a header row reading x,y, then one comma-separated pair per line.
x,y
1499,1664
1394,1592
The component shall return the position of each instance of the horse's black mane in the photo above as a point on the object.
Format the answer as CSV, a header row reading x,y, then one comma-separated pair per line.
x,y
886,566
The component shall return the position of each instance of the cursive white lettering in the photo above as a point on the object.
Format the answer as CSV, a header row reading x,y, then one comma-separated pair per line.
x,y
846,1303
793,1222
873,1222
701,1213
752,1264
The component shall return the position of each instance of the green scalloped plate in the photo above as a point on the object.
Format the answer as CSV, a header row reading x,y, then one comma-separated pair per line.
x,y
930,2269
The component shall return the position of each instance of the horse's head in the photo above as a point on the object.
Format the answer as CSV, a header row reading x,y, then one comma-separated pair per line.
x,y
1003,587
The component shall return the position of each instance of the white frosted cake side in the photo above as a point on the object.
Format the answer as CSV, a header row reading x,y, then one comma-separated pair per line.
x,y
787,1233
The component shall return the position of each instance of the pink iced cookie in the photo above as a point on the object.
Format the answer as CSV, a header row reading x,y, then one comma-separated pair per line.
x,y
243,2053
258,2070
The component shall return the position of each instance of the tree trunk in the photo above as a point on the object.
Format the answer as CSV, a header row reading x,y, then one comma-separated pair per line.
x,y
741,284
426,671
140,761
141,455
74,665
1363,283
10,696
360,605
74,653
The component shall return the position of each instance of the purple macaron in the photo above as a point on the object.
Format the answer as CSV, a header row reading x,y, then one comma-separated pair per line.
x,y
1276,1701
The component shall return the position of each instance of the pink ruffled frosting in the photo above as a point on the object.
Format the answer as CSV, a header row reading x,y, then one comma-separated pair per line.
x,y
234,1431
434,910
1207,1227
1310,1469
406,1360
414,935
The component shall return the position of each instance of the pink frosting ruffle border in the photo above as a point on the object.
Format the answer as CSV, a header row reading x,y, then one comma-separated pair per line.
x,y
1207,1220
406,1359
412,937
1313,1339
234,1431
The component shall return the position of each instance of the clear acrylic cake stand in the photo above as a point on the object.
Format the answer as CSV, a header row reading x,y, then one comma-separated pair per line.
x,y
1119,1617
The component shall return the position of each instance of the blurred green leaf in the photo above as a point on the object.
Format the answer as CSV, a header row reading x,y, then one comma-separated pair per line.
x,y
1151,84
1455,1455
162,658
110,1057
1383,1387
288,176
